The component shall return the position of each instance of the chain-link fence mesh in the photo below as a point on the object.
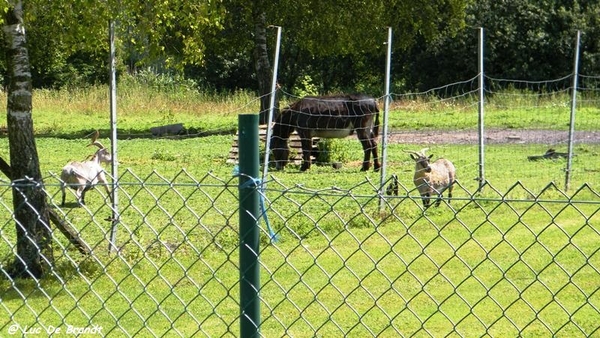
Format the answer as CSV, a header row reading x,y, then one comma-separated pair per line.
x,y
498,263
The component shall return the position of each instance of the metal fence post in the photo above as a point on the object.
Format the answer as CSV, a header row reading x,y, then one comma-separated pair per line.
x,y
249,231
573,109
386,109
112,247
272,105
481,121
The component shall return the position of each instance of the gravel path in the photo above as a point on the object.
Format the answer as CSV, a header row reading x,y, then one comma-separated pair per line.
x,y
549,137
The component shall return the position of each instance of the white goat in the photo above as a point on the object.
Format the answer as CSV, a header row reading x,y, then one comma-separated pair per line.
x,y
83,176
432,178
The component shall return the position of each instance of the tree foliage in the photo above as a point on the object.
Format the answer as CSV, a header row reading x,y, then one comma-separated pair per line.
x,y
338,45
524,39
69,39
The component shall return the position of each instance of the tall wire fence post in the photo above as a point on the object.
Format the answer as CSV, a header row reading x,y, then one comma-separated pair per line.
x,y
573,109
271,107
481,177
113,139
249,230
386,108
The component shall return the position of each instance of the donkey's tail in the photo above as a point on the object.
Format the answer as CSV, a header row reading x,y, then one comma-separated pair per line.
x,y
376,124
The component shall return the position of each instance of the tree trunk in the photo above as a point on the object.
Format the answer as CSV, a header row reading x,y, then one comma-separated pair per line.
x,y
264,73
34,251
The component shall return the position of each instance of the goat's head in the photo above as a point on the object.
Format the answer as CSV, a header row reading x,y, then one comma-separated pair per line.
x,y
422,161
102,154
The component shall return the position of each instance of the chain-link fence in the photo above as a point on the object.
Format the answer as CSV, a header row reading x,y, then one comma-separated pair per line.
x,y
497,263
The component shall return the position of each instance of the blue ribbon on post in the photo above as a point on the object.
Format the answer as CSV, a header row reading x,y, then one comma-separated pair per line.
x,y
254,183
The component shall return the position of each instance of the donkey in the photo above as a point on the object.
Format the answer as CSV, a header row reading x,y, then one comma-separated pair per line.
x,y
336,116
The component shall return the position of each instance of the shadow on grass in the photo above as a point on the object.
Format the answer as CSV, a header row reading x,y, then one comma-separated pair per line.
x,y
128,134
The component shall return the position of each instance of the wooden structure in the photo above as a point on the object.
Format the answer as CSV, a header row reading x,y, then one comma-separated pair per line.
x,y
294,144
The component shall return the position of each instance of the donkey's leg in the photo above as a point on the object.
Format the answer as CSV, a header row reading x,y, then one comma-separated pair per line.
x,y
306,152
366,144
376,164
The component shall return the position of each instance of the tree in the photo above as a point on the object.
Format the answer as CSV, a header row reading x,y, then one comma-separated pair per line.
x,y
34,251
68,39
523,39
333,41
264,74
169,31
228,44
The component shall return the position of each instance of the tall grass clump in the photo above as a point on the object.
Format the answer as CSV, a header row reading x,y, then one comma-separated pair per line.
x,y
192,96
144,100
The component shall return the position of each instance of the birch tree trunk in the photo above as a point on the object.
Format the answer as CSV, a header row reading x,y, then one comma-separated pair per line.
x,y
33,254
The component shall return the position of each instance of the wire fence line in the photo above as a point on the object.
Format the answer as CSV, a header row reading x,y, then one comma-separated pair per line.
x,y
520,261
513,261
534,114
553,103
507,263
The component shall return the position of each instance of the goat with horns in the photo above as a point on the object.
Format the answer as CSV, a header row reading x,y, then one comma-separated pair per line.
x,y
85,175
432,178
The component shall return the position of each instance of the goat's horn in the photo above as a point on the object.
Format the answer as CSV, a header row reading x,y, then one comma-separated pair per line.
x,y
97,144
412,152
95,141
94,135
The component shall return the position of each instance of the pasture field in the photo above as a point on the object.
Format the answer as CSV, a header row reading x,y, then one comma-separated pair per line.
x,y
71,114
518,258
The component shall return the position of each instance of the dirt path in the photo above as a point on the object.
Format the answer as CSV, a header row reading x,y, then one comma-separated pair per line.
x,y
549,137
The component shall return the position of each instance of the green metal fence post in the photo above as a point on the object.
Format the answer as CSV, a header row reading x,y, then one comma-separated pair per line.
x,y
249,231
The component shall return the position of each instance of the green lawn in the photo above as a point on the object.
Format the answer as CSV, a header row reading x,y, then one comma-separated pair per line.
x,y
518,258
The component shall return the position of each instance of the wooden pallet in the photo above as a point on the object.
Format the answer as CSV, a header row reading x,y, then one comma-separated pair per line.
x,y
293,143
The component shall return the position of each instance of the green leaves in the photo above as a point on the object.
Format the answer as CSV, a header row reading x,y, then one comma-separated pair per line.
x,y
165,33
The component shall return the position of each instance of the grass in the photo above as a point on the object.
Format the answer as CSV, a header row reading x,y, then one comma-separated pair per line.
x,y
518,258
510,109
72,114
69,114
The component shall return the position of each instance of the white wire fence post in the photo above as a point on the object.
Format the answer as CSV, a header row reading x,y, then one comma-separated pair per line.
x,y
481,177
573,109
113,139
386,108
271,107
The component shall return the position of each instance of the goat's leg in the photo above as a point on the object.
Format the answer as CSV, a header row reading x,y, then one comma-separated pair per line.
x,y
439,200
425,199
102,181
108,193
80,195
441,195
62,188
